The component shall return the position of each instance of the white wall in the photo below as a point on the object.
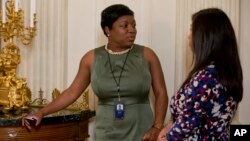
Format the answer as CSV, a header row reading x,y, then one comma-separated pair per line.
x,y
81,33
244,113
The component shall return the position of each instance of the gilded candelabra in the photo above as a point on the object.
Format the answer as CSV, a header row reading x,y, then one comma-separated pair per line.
x,y
14,92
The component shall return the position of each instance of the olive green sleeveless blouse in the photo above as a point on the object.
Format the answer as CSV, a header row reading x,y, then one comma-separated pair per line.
x,y
135,84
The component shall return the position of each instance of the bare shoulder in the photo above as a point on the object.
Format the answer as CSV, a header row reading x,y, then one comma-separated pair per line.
x,y
88,58
149,54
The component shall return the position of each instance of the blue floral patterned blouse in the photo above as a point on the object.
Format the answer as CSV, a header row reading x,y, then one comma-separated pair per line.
x,y
201,110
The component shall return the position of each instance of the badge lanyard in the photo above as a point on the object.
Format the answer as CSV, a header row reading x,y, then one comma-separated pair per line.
x,y
119,107
119,79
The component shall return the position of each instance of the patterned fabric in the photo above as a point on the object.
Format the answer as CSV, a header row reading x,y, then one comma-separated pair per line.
x,y
201,110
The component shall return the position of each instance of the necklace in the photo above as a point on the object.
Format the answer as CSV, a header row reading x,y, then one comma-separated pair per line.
x,y
118,52
119,79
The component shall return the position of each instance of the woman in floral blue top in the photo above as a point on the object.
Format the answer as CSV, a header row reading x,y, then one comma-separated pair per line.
x,y
205,104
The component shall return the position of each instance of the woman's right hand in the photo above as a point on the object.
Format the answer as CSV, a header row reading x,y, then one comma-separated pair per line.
x,y
33,119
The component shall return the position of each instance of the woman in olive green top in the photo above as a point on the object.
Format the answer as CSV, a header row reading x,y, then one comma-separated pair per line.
x,y
121,74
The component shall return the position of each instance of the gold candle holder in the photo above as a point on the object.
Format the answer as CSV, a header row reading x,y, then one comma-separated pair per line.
x,y
14,92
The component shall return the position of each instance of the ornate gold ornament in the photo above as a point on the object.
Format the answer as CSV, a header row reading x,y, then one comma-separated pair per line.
x,y
81,104
14,92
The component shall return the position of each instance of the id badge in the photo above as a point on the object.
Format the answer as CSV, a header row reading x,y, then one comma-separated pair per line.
x,y
119,110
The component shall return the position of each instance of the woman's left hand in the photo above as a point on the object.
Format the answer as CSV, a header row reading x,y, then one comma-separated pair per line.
x,y
162,135
151,134
164,131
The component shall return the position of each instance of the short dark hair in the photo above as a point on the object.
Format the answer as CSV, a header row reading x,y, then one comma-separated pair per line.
x,y
214,40
110,14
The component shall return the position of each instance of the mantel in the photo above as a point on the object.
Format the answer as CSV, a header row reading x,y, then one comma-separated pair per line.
x,y
65,125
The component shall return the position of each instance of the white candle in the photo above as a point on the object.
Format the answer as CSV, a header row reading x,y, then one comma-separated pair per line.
x,y
32,12
3,12
17,5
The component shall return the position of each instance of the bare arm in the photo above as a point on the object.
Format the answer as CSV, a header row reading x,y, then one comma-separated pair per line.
x,y
159,88
68,96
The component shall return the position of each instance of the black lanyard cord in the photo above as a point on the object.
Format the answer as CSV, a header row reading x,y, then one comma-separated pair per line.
x,y
112,71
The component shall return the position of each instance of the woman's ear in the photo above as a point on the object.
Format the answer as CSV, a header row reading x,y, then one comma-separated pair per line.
x,y
107,31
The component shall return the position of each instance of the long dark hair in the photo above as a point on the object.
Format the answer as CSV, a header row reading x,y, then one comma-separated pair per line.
x,y
214,40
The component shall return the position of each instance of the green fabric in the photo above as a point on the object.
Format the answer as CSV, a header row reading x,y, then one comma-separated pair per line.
x,y
135,84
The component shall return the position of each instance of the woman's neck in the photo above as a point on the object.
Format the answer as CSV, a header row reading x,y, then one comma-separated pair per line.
x,y
117,51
